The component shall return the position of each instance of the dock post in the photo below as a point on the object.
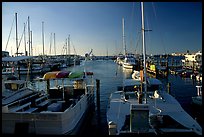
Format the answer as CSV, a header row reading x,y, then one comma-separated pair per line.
x,y
98,94
48,86
98,105
156,73
169,87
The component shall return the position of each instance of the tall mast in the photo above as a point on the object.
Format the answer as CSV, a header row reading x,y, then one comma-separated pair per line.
x,y
50,42
43,37
144,52
31,46
107,51
54,44
69,45
25,39
66,46
123,25
29,35
16,35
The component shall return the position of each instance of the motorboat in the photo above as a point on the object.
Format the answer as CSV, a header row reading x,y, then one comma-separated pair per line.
x,y
59,110
129,112
129,62
14,89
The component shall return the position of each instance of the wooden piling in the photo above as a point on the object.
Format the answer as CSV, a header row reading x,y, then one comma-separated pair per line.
x,y
169,88
98,104
48,86
98,94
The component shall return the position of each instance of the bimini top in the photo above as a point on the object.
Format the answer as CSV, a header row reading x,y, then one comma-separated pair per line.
x,y
63,74
50,75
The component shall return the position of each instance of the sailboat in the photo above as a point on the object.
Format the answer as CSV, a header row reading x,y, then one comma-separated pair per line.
x,y
129,61
144,108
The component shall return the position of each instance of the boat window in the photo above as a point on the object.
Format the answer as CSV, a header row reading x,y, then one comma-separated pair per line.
x,y
7,86
14,86
21,86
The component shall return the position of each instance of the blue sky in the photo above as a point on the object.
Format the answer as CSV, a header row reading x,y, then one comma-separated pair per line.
x,y
176,26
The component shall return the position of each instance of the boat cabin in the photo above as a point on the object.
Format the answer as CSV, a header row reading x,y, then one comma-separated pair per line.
x,y
153,84
14,85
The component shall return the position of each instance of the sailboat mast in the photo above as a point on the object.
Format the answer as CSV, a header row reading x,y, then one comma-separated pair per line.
x,y
54,44
123,27
31,46
144,52
25,38
50,43
43,37
69,50
29,35
69,45
107,51
16,35
66,46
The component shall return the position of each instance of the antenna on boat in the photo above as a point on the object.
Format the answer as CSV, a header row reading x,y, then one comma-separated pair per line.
x,y
144,53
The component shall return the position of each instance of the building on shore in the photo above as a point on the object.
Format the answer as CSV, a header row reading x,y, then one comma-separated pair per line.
x,y
193,61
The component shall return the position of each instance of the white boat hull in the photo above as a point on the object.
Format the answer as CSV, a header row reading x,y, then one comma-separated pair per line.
x,y
127,66
119,108
48,123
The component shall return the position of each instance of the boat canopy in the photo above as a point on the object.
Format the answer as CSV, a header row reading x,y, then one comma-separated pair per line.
x,y
50,75
76,74
63,74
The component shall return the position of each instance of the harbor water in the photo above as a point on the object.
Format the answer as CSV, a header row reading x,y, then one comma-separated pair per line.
x,y
111,76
